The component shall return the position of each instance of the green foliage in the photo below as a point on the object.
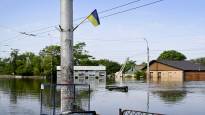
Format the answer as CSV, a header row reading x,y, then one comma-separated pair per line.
x,y
81,56
111,66
171,55
44,64
199,60
140,74
129,65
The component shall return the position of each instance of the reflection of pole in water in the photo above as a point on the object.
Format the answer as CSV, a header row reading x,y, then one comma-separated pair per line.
x,y
148,101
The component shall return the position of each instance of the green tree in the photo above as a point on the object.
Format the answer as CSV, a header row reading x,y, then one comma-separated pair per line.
x,y
171,55
81,56
130,64
25,64
13,59
140,74
199,60
111,66
50,58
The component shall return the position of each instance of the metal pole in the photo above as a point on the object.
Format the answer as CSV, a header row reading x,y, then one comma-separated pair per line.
x,y
66,25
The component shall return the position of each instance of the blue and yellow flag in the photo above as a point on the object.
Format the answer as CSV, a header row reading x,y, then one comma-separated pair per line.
x,y
93,18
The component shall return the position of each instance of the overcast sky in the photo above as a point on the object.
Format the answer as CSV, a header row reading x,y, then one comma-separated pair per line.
x,y
171,24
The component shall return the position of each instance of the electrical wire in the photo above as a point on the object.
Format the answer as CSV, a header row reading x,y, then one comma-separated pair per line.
x,y
108,10
148,4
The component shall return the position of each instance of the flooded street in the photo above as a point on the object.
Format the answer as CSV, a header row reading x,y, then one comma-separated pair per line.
x,y
22,97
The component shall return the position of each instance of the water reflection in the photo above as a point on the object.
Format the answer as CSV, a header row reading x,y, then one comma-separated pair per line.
x,y
19,96
22,96
169,92
171,97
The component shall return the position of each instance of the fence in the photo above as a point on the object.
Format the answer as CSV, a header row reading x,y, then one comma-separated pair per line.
x,y
59,99
134,112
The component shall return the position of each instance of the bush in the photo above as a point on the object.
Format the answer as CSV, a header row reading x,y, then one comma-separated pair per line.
x,y
140,74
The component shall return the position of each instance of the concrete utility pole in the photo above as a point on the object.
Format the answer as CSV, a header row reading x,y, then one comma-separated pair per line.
x,y
66,27
148,76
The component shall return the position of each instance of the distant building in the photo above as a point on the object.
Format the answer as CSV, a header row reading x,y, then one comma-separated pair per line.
x,y
164,70
133,70
93,75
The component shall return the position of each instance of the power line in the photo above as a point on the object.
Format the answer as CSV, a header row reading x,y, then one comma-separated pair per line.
x,y
148,4
107,10
123,11
35,35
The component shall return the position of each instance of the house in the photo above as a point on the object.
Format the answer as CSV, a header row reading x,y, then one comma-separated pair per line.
x,y
165,70
93,75
133,70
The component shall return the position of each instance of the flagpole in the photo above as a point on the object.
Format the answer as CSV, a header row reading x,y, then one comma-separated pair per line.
x,y
80,24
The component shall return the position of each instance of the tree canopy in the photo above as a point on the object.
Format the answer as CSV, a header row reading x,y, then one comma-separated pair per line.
x,y
171,55
44,64
199,60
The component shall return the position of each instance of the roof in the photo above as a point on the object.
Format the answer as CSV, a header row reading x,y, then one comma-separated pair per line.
x,y
183,65
103,68
134,69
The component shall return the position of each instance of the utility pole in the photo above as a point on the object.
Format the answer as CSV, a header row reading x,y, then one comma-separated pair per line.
x,y
66,27
148,76
148,72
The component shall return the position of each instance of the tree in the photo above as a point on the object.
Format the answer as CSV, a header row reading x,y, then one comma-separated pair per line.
x,y
81,55
171,55
140,74
50,58
111,66
199,60
130,64
13,59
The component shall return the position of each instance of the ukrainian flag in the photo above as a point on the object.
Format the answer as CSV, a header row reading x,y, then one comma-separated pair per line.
x,y
93,18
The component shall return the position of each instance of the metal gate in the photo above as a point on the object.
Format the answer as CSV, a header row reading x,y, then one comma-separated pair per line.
x,y
56,98
134,112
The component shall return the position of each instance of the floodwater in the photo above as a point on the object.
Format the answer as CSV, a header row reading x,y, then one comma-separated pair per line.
x,y
22,97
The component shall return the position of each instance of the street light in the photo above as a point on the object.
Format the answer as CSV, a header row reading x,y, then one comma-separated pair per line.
x,y
148,77
148,70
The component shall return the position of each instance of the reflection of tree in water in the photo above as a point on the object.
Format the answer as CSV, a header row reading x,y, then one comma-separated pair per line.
x,y
172,96
20,88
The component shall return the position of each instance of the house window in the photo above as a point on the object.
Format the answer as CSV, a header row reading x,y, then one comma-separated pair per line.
x,y
96,77
76,77
86,77
102,73
169,74
159,75
151,75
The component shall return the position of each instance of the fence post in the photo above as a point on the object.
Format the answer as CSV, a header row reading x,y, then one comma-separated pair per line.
x,y
120,111
41,97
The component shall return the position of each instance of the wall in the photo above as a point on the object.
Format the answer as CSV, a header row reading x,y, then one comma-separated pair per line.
x,y
158,66
167,76
94,78
168,73
195,76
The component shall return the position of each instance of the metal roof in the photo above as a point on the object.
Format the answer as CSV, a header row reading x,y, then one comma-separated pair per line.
x,y
183,65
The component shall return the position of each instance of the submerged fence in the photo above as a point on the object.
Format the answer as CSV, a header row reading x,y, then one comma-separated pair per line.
x,y
134,112
59,99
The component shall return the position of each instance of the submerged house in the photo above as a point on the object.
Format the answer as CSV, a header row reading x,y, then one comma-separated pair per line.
x,y
166,70
133,70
